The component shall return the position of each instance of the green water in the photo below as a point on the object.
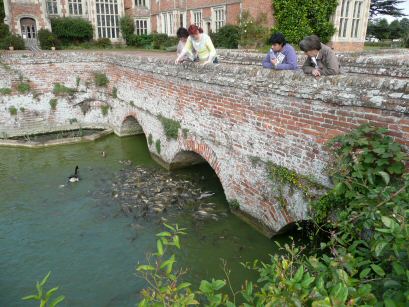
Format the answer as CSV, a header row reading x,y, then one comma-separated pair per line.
x,y
80,234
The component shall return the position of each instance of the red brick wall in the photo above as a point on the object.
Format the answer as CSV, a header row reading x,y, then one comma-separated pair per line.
x,y
256,8
26,10
347,46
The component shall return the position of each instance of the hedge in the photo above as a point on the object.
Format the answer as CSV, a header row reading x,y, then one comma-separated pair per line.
x,y
72,30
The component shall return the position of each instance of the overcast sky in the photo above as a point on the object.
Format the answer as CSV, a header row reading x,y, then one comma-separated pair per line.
x,y
404,6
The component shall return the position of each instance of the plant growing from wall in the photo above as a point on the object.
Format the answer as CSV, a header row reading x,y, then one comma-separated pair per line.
x,y
234,204
311,17
101,79
53,103
105,109
73,121
13,111
22,109
61,90
77,81
23,87
5,91
170,126
150,139
114,92
158,146
45,297
132,104
185,132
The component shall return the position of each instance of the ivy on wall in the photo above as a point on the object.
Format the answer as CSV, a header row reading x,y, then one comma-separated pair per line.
x,y
299,18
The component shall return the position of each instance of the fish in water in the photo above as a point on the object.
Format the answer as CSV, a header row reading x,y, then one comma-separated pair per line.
x,y
75,177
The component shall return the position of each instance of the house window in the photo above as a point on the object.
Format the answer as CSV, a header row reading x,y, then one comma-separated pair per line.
x,y
356,18
168,26
107,18
343,22
219,18
197,18
141,26
75,7
181,18
52,7
140,3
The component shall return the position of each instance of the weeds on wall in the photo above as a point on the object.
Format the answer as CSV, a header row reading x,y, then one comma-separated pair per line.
x,y
5,91
13,111
150,139
53,103
101,79
114,92
61,90
158,146
105,109
23,87
170,126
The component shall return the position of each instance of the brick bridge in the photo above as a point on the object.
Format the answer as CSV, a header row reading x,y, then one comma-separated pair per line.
x,y
236,116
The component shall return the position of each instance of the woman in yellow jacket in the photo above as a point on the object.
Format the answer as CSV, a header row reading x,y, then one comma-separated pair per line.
x,y
201,44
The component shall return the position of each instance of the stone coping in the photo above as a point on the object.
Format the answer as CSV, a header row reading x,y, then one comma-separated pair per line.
x,y
66,141
380,92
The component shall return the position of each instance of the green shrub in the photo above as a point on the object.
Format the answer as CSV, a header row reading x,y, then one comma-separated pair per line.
x,y
162,41
227,37
14,41
170,126
4,30
104,109
253,32
103,43
23,87
101,79
13,111
140,41
48,40
53,104
127,27
72,30
5,91
43,296
60,90
311,17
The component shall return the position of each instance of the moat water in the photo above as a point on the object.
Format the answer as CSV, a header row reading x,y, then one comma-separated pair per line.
x,y
82,234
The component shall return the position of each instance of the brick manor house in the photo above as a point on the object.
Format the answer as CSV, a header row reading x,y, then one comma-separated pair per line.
x,y
25,17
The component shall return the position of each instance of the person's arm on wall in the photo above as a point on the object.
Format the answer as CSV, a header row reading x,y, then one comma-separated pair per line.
x,y
188,49
267,62
307,67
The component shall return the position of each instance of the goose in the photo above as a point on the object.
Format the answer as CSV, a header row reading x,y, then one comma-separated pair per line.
x,y
75,177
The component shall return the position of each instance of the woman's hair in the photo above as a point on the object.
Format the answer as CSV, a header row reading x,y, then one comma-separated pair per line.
x,y
182,33
310,43
193,30
278,38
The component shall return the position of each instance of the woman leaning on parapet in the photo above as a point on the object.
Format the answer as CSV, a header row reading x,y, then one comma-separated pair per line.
x,y
282,56
321,60
201,43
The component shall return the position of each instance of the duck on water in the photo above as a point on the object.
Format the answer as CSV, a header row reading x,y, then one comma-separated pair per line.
x,y
75,177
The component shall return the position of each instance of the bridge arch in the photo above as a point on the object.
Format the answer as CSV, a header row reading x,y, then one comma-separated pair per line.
x,y
130,125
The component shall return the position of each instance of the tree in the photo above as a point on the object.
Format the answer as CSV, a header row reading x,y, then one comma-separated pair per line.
x,y
2,14
395,30
379,28
404,24
386,7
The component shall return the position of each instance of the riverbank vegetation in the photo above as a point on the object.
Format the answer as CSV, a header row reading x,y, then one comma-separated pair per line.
x,y
363,261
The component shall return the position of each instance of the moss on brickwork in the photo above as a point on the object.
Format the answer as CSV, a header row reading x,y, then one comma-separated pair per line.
x,y
60,90
158,146
5,91
170,126
132,104
234,204
22,109
53,103
283,177
77,81
150,139
13,111
101,79
114,92
23,87
185,131
73,121
104,110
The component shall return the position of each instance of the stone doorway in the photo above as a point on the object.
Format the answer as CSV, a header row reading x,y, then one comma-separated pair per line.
x,y
28,28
